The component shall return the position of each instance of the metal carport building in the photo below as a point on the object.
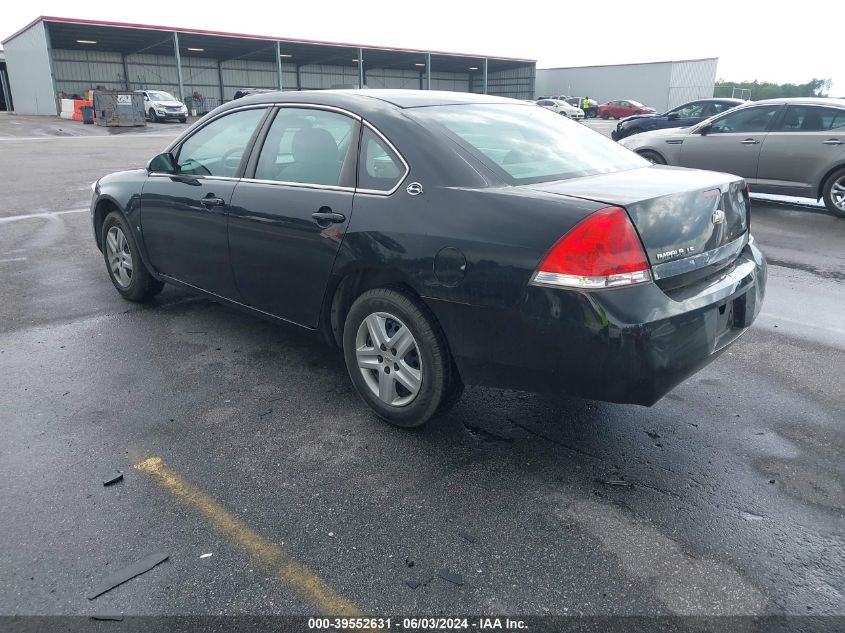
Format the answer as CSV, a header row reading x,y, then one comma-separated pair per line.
x,y
51,57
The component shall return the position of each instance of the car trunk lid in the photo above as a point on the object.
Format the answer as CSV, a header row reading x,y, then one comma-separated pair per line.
x,y
688,220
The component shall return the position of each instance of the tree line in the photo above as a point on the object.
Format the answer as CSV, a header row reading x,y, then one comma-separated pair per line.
x,y
767,90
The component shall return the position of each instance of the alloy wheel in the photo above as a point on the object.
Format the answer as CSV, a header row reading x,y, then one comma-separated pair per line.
x,y
837,193
119,256
389,359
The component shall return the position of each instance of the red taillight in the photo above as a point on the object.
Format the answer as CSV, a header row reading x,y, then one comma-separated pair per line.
x,y
601,251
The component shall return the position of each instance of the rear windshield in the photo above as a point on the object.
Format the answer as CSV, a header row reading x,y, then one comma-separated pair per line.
x,y
527,144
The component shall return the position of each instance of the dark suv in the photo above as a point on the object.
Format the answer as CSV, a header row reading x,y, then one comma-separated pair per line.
x,y
681,116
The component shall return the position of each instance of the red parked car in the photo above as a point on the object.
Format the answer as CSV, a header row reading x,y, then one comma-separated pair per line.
x,y
622,108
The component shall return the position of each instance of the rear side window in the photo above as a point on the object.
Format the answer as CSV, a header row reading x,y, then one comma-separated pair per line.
x,y
306,146
217,148
807,118
379,168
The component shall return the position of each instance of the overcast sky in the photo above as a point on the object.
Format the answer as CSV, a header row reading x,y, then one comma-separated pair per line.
x,y
753,39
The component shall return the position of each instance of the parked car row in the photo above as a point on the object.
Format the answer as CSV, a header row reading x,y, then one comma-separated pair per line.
x,y
793,147
561,107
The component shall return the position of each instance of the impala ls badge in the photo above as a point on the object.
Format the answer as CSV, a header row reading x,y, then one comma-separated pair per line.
x,y
718,216
414,189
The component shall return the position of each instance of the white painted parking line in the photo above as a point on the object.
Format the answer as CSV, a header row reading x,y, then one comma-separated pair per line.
x,y
46,214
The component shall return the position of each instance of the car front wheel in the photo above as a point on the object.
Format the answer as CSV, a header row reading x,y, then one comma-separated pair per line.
x,y
833,193
123,262
398,358
605,115
152,115
652,157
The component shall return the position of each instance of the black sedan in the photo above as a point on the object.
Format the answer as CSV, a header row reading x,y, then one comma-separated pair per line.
x,y
442,239
683,116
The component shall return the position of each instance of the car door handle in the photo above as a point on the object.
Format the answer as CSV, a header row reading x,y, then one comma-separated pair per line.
x,y
833,141
326,216
750,141
212,201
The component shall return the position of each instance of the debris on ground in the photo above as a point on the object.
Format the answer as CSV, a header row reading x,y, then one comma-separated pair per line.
x,y
128,573
468,537
415,583
205,555
409,562
267,412
616,482
111,617
449,576
113,479
653,435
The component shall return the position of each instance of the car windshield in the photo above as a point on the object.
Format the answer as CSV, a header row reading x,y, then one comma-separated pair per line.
x,y
158,95
528,145
636,104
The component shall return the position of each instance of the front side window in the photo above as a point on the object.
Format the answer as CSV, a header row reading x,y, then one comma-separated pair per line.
x,y
747,120
306,146
217,148
525,144
379,168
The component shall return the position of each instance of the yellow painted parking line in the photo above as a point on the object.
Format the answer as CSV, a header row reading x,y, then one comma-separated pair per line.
x,y
300,578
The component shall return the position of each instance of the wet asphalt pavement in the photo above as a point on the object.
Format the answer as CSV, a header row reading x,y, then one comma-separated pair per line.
x,y
725,498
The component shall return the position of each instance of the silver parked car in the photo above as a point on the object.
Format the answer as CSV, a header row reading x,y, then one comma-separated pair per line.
x,y
793,147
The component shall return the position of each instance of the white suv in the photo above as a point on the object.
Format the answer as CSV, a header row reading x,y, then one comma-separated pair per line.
x,y
561,107
160,106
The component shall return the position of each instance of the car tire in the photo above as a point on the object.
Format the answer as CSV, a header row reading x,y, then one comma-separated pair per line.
x,y
134,282
652,156
184,119
605,115
833,193
385,312
153,116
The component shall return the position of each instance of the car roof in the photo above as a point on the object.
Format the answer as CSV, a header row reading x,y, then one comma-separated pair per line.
x,y
822,101
364,98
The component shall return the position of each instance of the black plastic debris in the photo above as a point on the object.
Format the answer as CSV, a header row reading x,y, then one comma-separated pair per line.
x,y
616,482
449,576
415,583
111,617
468,537
113,479
128,573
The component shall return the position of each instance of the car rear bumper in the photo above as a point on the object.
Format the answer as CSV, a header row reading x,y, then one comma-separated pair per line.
x,y
626,345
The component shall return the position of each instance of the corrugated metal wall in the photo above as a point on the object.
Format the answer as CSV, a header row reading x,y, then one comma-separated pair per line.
x,y
691,80
516,83
661,85
394,78
28,65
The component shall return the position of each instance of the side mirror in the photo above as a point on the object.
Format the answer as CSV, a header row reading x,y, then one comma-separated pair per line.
x,y
673,116
163,163
704,130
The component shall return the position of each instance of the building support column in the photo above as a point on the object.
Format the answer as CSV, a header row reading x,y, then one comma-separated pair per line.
x,y
181,94
279,64
484,80
126,81
220,79
298,79
360,67
428,71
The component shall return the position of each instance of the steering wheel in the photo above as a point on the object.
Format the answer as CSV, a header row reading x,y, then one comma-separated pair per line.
x,y
228,156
